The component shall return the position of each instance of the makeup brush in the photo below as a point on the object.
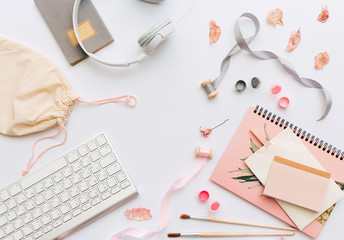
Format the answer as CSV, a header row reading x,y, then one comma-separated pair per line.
x,y
230,234
218,220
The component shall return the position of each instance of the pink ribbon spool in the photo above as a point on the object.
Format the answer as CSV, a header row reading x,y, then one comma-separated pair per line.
x,y
204,153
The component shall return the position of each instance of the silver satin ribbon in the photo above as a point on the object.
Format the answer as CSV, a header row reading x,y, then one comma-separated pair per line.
x,y
242,44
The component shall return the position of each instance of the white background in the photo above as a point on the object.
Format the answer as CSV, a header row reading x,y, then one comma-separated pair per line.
x,y
156,140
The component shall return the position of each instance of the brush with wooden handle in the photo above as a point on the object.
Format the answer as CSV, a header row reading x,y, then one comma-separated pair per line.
x,y
230,234
219,220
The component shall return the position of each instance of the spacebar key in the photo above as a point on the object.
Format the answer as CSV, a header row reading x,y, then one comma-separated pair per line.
x,y
42,173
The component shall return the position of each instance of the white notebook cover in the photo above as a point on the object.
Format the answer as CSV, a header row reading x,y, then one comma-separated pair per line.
x,y
289,146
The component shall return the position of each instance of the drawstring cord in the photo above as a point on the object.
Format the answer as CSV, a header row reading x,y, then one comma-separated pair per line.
x,y
31,161
127,99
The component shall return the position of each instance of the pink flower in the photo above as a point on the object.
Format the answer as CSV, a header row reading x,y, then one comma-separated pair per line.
x,y
138,214
205,131
214,32
323,15
321,60
275,17
294,40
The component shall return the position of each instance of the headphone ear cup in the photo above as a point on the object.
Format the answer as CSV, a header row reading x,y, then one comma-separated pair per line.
x,y
150,33
153,1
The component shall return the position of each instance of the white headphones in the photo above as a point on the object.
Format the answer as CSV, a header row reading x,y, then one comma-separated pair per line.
x,y
149,41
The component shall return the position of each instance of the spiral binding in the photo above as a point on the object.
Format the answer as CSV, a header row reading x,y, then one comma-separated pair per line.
x,y
308,137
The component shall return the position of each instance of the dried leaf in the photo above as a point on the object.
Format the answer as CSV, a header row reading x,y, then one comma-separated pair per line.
x,y
266,133
275,17
321,60
254,148
323,15
294,40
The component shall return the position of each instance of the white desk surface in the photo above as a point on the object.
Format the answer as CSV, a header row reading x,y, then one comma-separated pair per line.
x,y
156,140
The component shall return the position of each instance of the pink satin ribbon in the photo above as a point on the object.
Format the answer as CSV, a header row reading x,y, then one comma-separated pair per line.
x,y
165,206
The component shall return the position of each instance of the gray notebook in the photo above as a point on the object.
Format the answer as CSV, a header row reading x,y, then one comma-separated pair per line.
x,y
93,32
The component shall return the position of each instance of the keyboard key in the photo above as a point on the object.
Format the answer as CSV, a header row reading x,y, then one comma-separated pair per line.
x,y
57,223
77,212
85,161
39,188
11,215
3,209
20,210
106,195
46,219
83,186
121,176
3,221
114,168
55,214
76,178
102,175
28,238
74,191
47,229
76,167
58,177
65,197
9,238
67,218
4,195
36,225
9,228
92,181
18,235
36,213
74,203
86,207
101,140
93,193
27,218
38,234
55,202
95,156
39,200
2,233
111,182
18,223
58,189
67,171
95,168
46,207
15,189
115,190
105,150
67,184
91,145
48,194
86,173
102,187
20,198
96,201
30,193
11,204
65,208
72,156
48,182
125,184
82,150
33,178
106,161
27,230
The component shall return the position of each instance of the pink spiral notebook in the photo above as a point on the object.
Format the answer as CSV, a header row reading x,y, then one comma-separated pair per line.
x,y
232,173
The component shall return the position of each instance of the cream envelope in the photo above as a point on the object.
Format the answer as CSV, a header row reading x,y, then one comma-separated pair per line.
x,y
297,184
287,145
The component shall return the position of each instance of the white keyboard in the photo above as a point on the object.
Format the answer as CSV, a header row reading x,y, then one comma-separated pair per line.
x,y
65,194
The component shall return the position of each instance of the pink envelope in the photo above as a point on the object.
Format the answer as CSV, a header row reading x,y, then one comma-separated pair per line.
x,y
297,184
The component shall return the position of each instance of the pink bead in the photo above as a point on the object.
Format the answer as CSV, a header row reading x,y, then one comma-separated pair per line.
x,y
283,102
214,206
276,89
203,196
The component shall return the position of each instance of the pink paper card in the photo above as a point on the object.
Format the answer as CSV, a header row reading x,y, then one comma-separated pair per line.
x,y
297,184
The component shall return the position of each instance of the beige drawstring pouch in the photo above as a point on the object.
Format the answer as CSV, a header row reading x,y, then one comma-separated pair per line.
x,y
35,95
